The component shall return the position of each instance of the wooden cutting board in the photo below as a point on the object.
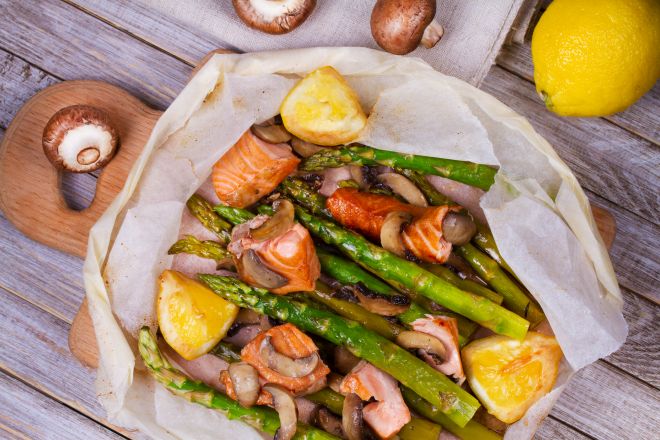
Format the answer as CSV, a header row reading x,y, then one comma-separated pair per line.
x,y
54,223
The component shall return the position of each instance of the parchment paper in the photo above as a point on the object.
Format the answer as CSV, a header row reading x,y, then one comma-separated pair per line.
x,y
538,213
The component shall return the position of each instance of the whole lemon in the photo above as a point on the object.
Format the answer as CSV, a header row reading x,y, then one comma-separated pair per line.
x,y
596,57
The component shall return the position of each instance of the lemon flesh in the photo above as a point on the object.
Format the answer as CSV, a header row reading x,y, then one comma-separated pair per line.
x,y
323,109
191,317
596,57
508,375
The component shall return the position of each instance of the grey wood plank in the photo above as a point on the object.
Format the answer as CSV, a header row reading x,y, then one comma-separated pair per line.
x,y
608,404
73,45
26,413
642,118
635,252
553,429
19,80
611,162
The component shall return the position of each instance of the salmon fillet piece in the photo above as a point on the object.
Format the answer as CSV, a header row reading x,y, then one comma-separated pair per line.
x,y
389,413
365,213
445,329
291,342
251,169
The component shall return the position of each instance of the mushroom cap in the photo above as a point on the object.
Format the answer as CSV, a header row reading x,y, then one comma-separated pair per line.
x,y
80,139
398,25
274,16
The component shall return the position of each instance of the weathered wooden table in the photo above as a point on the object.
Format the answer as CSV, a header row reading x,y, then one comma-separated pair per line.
x,y
47,394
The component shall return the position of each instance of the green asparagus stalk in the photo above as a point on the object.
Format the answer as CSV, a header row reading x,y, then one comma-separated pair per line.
x,y
404,274
226,351
471,431
203,211
433,196
432,385
416,429
481,176
491,272
235,216
486,242
469,286
261,418
300,191
206,249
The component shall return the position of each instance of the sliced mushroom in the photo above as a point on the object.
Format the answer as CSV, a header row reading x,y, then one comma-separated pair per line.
x,y
280,222
390,232
245,380
351,417
285,365
381,304
399,26
256,271
404,187
328,422
334,380
274,16
422,341
344,359
458,228
304,148
275,134
286,408
80,139
248,317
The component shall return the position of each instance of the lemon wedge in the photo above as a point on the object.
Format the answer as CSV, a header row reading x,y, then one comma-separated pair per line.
x,y
191,317
323,109
508,375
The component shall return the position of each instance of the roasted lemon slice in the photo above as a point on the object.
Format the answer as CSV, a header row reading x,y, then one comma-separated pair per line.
x,y
508,375
191,317
323,109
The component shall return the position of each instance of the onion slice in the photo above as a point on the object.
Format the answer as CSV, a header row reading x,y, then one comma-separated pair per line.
x,y
390,232
422,341
278,224
458,228
351,417
285,365
274,134
381,304
286,408
245,380
255,269
404,187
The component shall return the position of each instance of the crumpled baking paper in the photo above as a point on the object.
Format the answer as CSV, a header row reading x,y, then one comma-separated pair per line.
x,y
538,213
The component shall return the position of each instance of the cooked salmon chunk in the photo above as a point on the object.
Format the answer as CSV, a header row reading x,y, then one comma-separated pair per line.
x,y
423,236
445,329
389,413
251,169
288,341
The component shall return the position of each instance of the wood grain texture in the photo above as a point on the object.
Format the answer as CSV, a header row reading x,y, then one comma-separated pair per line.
x,y
642,118
553,429
22,159
19,80
611,162
73,45
28,414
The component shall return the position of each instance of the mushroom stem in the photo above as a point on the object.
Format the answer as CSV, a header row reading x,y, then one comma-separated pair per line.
x,y
432,34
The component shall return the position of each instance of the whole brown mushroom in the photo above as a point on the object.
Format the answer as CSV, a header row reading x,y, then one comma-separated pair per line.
x,y
274,16
80,139
399,26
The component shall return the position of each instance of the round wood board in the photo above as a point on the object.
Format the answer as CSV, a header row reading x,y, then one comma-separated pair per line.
x,y
28,180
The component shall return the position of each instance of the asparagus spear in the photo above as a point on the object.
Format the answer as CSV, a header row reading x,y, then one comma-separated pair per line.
x,y
469,286
478,175
433,196
235,216
486,242
206,249
471,431
226,351
514,298
432,385
261,418
203,211
416,429
403,274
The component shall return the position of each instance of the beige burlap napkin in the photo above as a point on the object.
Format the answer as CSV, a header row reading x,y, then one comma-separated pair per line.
x,y
474,30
